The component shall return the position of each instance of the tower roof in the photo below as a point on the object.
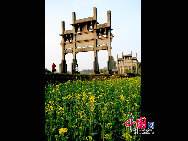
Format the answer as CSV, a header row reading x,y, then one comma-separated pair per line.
x,y
89,19
128,55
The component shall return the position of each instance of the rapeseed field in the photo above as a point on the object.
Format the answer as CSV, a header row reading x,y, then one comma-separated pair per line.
x,y
92,110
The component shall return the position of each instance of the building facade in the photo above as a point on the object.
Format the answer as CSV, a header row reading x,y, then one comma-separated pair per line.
x,y
86,35
127,64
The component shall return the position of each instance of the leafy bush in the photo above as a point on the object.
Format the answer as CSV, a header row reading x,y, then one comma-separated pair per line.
x,y
47,71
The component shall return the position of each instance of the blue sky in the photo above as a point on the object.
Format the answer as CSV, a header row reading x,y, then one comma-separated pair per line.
x,y
126,25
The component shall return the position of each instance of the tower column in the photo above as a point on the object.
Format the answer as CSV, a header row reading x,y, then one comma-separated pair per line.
x,y
109,62
95,16
74,61
63,65
117,64
131,66
136,67
136,64
95,63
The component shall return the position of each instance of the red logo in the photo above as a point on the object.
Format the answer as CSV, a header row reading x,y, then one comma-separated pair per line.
x,y
140,123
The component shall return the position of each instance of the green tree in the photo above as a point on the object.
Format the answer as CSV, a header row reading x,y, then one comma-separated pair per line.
x,y
47,71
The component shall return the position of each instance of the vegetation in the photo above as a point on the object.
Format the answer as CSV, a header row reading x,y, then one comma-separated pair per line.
x,y
92,110
47,71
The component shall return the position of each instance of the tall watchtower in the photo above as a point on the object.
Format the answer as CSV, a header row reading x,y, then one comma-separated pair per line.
x,y
86,35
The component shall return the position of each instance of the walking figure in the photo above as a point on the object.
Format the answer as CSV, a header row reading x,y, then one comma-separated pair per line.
x,y
53,67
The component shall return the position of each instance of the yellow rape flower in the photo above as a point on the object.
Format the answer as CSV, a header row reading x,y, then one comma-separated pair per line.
x,y
69,96
64,97
56,136
92,99
51,108
122,97
127,136
109,125
62,130
89,138
134,95
61,108
107,136
51,102
92,109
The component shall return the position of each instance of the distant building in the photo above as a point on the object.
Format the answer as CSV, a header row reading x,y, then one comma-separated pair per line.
x,y
127,64
86,71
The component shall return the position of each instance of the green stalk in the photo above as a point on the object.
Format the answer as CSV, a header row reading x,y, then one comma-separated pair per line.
x,y
90,124
103,132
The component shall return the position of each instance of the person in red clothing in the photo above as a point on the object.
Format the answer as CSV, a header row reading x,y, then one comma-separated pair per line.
x,y
53,67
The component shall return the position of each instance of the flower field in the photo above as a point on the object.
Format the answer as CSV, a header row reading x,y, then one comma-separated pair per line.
x,y
92,110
